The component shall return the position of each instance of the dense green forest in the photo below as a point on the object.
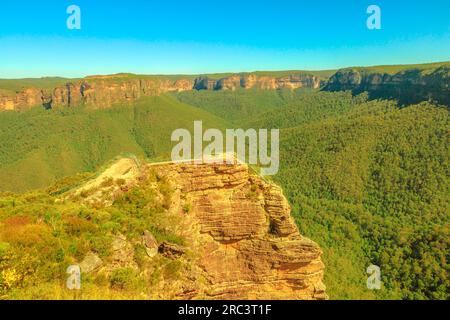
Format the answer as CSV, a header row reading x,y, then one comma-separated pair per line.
x,y
367,179
41,146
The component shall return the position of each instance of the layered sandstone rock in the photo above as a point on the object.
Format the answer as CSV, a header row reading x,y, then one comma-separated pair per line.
x,y
298,81
21,100
249,81
244,239
229,83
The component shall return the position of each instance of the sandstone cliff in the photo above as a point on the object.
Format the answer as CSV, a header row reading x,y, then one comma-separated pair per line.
x,y
99,92
410,85
103,91
21,100
249,81
246,239
241,241
407,86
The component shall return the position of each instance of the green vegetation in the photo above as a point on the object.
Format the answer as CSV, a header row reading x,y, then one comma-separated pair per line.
x,y
367,180
408,84
377,182
234,106
41,146
40,235
392,69
16,85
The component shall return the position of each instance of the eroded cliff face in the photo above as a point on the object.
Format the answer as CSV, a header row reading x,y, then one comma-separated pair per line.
x,y
249,81
409,86
104,91
240,241
21,100
96,92
246,243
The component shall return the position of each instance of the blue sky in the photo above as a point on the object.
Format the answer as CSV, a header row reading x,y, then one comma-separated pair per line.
x,y
167,37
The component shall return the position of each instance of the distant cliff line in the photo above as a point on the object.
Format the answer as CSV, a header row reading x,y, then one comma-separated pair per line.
x,y
104,91
407,84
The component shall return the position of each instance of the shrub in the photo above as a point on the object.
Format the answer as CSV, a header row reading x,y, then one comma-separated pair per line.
x,y
4,247
26,235
123,279
9,278
76,226
172,270
187,207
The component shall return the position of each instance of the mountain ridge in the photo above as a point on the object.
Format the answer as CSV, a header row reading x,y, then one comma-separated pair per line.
x,y
407,83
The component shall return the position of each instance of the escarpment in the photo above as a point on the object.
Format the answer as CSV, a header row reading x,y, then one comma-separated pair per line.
x,y
104,91
97,92
21,100
408,86
250,81
412,84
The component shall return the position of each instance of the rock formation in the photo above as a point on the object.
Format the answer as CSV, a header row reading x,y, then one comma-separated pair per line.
x,y
249,81
246,243
21,100
239,238
408,86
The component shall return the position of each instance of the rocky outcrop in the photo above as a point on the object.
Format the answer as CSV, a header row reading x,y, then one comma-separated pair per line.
x,y
150,244
229,83
204,83
408,86
298,81
239,240
122,254
170,250
21,100
245,241
90,263
118,178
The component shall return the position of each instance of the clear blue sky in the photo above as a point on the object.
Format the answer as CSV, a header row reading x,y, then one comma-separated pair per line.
x,y
216,36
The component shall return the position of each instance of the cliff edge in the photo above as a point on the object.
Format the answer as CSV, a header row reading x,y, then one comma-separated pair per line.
x,y
240,241
247,243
